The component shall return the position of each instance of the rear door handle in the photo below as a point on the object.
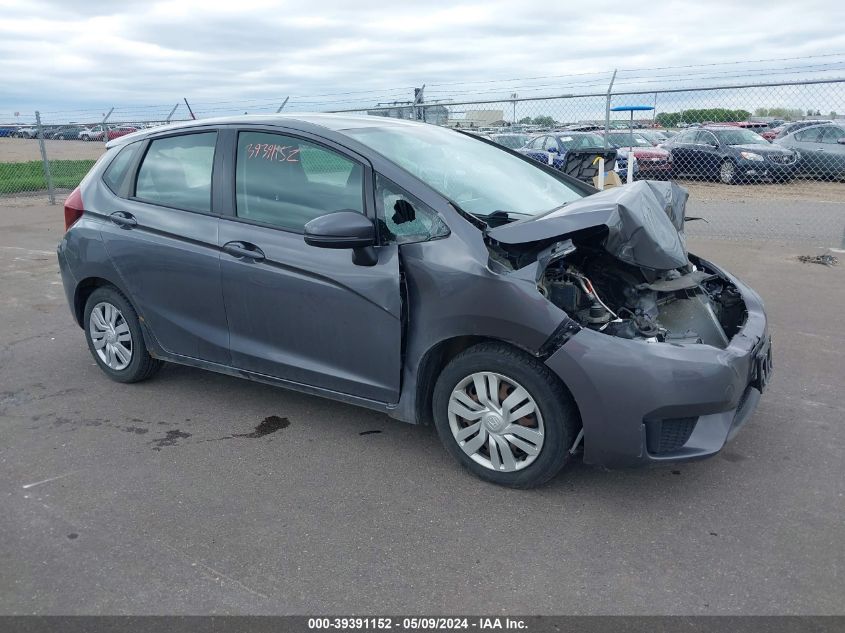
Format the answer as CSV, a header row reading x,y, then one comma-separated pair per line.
x,y
123,219
244,250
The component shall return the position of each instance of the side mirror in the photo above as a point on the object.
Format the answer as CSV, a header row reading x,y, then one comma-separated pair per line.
x,y
344,229
553,150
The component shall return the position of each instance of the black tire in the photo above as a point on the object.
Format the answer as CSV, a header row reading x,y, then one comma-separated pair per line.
x,y
558,410
61,137
141,365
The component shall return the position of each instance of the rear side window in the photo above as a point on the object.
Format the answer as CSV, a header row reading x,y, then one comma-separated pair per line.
x,y
286,181
176,172
116,172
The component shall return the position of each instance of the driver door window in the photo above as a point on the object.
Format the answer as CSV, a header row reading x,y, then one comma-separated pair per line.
x,y
831,135
286,181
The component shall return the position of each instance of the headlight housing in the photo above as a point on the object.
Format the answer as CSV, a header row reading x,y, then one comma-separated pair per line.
x,y
751,156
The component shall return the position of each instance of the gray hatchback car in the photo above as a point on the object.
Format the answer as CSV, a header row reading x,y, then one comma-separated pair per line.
x,y
421,272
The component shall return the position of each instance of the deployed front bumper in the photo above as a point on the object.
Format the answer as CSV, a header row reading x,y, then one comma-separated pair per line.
x,y
646,403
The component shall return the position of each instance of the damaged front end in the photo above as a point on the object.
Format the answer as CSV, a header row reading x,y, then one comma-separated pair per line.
x,y
621,267
665,354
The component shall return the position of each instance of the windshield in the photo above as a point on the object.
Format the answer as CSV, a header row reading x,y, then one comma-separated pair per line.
x,y
740,137
479,177
627,139
578,141
512,141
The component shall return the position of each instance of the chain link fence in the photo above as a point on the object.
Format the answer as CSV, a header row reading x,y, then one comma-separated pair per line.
x,y
762,161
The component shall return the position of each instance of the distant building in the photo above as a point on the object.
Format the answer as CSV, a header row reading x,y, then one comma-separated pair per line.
x,y
483,118
437,114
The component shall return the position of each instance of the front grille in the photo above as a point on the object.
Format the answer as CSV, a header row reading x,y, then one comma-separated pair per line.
x,y
784,159
669,435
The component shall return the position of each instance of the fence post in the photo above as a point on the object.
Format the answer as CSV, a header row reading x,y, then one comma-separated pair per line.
x,y
47,175
170,116
105,128
607,109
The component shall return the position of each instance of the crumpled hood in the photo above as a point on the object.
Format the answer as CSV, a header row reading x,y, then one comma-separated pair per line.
x,y
645,223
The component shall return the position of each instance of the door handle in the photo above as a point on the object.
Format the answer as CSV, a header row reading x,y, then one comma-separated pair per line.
x,y
244,250
123,220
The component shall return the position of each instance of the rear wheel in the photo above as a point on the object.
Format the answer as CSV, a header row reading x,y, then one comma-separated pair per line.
x,y
504,416
114,337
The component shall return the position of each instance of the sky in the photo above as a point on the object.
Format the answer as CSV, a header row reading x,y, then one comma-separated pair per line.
x,y
75,59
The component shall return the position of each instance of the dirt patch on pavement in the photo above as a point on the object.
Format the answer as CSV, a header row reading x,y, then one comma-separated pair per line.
x,y
20,150
798,189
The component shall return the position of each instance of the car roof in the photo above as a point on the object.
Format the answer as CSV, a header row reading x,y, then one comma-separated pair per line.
x,y
303,122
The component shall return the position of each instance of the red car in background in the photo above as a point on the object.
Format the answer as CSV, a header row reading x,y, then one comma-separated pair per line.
x,y
95,133
123,130
652,162
771,135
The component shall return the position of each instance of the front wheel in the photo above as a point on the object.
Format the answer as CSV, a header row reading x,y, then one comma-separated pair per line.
x,y
114,337
504,416
727,172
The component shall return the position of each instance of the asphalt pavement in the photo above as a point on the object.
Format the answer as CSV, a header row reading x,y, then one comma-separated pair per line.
x,y
200,493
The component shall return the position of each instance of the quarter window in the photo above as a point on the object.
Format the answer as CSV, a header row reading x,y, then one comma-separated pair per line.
x,y
176,172
404,218
116,172
286,181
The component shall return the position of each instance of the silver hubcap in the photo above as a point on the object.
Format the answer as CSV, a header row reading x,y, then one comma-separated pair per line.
x,y
727,172
496,422
111,336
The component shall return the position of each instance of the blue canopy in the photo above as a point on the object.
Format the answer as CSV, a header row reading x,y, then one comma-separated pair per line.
x,y
630,108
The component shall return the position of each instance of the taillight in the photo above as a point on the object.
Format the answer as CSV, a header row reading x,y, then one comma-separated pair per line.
x,y
73,208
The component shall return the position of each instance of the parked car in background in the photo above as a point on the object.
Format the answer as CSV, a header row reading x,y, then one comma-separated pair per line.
x,y
654,136
754,126
789,128
512,141
26,132
772,133
517,309
67,132
651,162
729,154
93,133
123,130
7,130
574,153
822,149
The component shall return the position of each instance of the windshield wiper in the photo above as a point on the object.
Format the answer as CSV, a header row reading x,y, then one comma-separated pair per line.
x,y
503,215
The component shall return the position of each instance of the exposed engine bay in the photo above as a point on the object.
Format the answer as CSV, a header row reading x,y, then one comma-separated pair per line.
x,y
683,305
616,262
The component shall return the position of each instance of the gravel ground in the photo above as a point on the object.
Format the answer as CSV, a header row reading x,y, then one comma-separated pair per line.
x,y
162,497
14,150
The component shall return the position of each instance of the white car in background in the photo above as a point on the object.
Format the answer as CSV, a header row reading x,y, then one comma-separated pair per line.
x,y
27,132
94,133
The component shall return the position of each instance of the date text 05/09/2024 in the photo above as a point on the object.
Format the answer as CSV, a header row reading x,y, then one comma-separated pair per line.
x,y
416,623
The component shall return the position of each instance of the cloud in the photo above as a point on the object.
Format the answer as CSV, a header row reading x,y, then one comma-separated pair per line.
x,y
63,57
